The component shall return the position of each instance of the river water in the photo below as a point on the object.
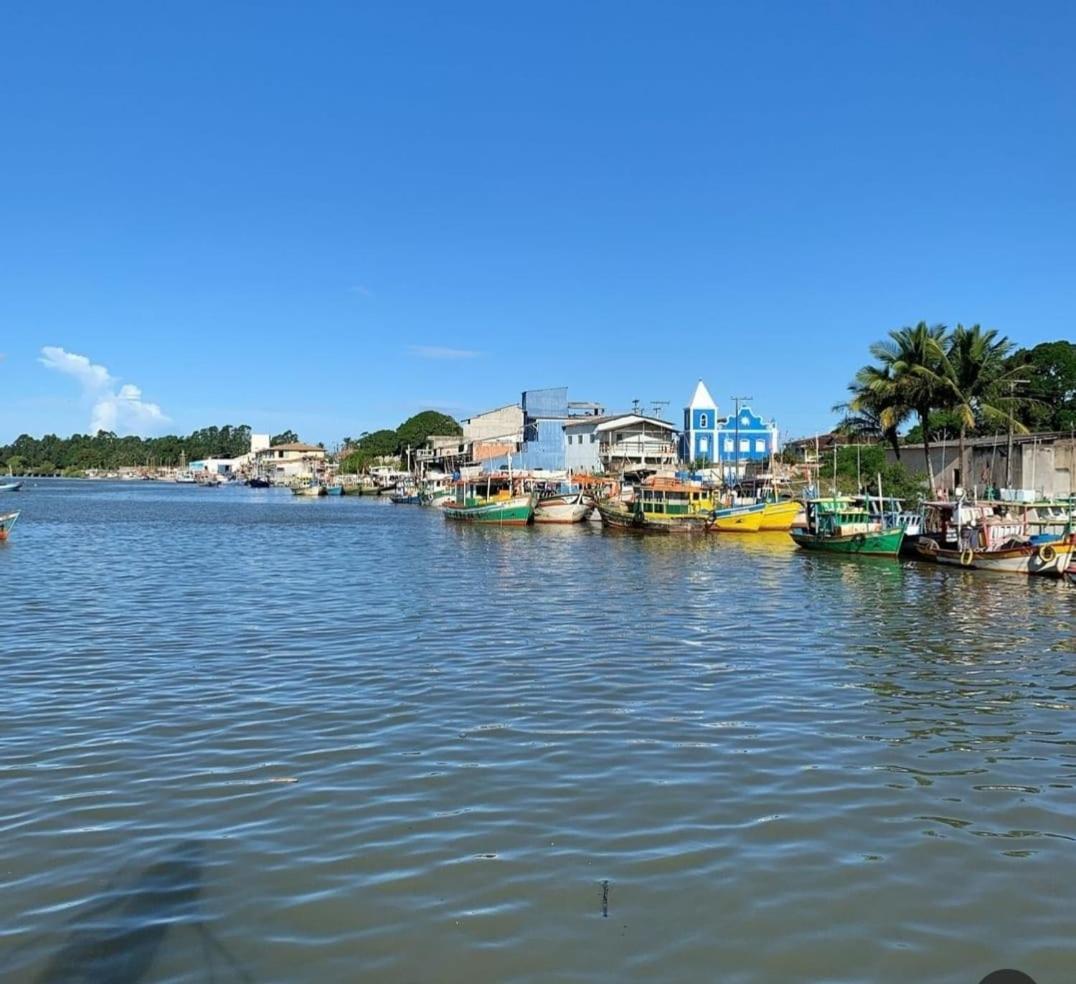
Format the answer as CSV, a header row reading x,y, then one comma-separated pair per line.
x,y
248,737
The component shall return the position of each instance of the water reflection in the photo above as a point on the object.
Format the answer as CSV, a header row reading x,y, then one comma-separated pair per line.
x,y
119,937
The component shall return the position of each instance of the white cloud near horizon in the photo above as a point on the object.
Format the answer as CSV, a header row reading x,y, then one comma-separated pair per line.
x,y
120,410
440,352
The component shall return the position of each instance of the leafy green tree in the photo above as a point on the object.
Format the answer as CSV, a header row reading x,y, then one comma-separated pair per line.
x,y
414,431
905,379
288,437
972,380
16,464
380,443
1050,373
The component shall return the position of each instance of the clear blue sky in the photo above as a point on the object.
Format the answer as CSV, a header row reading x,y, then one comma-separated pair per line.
x,y
329,216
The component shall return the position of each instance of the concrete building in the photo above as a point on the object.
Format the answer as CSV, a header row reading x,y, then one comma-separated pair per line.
x,y
283,462
627,442
1045,463
494,432
545,412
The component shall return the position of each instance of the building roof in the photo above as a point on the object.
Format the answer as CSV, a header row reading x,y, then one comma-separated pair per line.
x,y
294,446
702,400
626,419
486,413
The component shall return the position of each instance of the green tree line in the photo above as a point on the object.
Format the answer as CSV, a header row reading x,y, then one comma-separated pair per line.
x,y
369,447
106,451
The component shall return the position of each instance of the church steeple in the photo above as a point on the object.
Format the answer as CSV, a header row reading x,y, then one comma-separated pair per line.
x,y
702,400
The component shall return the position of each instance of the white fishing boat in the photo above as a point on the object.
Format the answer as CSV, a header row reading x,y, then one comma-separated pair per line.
x,y
309,490
7,521
563,504
11,487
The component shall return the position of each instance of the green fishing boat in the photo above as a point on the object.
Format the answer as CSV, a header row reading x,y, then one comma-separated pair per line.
x,y
841,525
494,500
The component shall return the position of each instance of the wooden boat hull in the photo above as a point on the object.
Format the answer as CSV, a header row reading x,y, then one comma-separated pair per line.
x,y
779,516
696,523
399,499
7,521
309,491
335,490
883,544
517,510
1047,559
744,519
573,508
617,515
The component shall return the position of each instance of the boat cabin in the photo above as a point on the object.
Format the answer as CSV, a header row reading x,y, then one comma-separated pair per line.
x,y
668,497
840,516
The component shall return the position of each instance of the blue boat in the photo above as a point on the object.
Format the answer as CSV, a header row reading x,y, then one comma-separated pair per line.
x,y
334,490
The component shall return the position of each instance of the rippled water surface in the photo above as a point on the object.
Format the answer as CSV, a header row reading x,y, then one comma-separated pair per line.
x,y
247,737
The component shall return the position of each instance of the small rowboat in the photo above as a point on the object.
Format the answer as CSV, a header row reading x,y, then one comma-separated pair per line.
x,y
7,521
11,487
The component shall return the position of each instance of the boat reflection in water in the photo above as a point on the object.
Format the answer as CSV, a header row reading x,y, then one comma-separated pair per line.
x,y
119,937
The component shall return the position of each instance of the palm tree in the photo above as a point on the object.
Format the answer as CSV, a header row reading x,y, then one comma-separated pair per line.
x,y
972,375
872,411
905,379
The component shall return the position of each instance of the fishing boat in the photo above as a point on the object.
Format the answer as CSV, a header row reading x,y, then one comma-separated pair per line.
x,y
308,490
668,505
335,489
435,490
257,482
405,495
11,487
7,521
562,504
494,500
617,514
742,518
891,513
840,525
994,537
779,515
185,478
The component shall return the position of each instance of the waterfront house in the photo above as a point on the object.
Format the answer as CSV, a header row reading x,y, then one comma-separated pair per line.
x,y
493,433
619,443
285,462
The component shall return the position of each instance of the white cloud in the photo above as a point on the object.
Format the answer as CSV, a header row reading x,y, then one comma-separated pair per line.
x,y
120,410
439,352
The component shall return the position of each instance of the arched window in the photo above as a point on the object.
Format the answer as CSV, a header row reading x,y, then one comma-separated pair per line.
x,y
704,421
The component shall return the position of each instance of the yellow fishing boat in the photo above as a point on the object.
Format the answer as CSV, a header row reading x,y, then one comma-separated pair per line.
x,y
738,519
779,516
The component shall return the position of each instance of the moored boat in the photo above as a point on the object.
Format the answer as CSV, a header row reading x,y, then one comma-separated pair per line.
x,y
335,489
667,505
616,514
11,487
740,519
779,516
992,536
556,505
839,525
309,490
496,501
7,521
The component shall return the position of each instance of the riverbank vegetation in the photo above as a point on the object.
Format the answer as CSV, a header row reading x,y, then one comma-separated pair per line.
x,y
370,448
105,451
957,382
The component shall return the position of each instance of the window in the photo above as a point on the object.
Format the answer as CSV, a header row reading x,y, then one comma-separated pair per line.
x,y
593,438
728,444
704,421
760,446
745,445
704,444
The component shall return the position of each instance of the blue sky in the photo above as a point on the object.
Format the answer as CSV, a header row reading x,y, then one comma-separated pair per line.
x,y
329,216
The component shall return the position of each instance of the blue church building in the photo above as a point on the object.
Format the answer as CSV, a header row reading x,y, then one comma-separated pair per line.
x,y
724,441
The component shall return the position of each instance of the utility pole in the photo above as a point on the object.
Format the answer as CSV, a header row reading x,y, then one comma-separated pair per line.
x,y
738,400
1013,383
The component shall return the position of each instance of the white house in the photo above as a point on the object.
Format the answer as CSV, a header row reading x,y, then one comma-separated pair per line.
x,y
282,462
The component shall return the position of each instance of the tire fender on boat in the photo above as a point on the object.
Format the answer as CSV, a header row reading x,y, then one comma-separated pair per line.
x,y
967,557
1046,553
